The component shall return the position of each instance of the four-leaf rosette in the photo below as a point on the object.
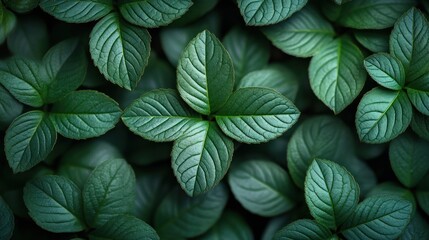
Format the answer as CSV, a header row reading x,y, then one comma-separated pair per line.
x,y
205,115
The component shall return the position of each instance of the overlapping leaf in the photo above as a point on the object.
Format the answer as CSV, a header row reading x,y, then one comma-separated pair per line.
x,y
374,40
229,226
420,125
9,107
304,229
7,220
418,92
386,70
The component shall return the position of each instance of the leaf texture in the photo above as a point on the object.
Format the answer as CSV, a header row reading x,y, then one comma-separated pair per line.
x,y
420,125
386,70
303,229
374,40
10,108
418,93
7,220
416,229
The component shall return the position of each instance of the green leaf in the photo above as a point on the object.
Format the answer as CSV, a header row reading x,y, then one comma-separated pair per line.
x,y
266,12
7,22
248,50
337,74
77,11
230,226
85,114
382,115
390,189
198,9
361,171
302,35
304,229
409,43
255,115
331,193
180,216
201,158
153,13
124,227
55,204
417,229
159,115
205,74
120,50
420,125
7,220
21,6
262,187
29,140
382,217
386,70
422,194
9,108
339,2
373,40
108,192
418,92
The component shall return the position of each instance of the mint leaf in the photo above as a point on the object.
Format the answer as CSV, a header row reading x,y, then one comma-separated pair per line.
x,y
29,140
153,13
374,40
420,125
255,115
159,115
304,229
55,204
120,50
230,226
386,70
205,74
262,187
382,115
7,220
201,157
302,35
267,12
337,74
418,92
9,108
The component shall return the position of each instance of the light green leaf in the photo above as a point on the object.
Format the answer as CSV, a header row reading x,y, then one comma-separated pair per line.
x,y
77,11
331,193
418,92
7,221
205,74
201,157
409,43
7,22
386,70
249,51
382,115
29,140
302,35
230,226
417,229
55,204
9,108
381,217
108,192
124,227
85,114
255,115
120,50
374,40
420,125
262,187
159,115
153,13
180,216
304,229
266,12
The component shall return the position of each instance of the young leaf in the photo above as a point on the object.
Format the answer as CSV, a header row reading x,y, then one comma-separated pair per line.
x,y
9,108
302,35
76,11
416,229
85,114
55,204
230,226
201,157
381,217
7,220
266,12
21,6
179,216
29,140
331,193
420,125
120,50
205,74
418,92
386,70
373,40
108,192
382,115
304,229
153,13
262,187
337,74
7,22
159,115
255,115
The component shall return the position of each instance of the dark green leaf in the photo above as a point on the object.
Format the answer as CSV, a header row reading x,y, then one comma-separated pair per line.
x,y
274,225
230,226
390,189
198,9
420,125
374,40
339,2
422,194
417,229
386,70
21,6
304,229
7,22
418,92
7,220
362,173
9,108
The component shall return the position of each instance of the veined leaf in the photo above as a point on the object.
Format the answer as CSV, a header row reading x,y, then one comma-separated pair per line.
x,y
331,193
386,70
420,125
391,189
120,50
255,115
262,187
337,74
381,217
416,229
159,115
304,229
21,6
7,220
77,11
153,13
201,158
382,115
418,92
9,108
230,226
55,204
302,35
266,12
108,192
374,40
85,114
29,140
205,74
